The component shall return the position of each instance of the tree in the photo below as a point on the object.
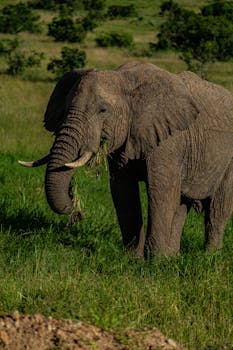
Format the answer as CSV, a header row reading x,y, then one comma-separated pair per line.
x,y
64,28
201,38
115,39
18,18
219,8
96,5
121,11
18,59
70,58
53,4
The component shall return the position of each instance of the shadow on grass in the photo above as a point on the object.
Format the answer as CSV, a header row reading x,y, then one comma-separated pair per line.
x,y
25,223
23,220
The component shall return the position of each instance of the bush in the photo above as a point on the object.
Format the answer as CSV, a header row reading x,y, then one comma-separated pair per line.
x,y
200,39
90,5
115,39
219,9
91,20
18,18
121,11
3,49
71,58
66,29
53,4
19,60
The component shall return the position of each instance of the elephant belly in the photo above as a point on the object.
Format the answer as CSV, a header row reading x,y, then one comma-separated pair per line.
x,y
206,162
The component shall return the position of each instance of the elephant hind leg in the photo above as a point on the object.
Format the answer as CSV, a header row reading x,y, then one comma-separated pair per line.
x,y
219,211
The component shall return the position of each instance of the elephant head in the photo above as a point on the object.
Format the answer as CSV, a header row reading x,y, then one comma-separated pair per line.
x,y
134,107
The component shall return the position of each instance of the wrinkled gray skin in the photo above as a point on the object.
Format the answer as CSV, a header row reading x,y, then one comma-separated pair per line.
x,y
172,131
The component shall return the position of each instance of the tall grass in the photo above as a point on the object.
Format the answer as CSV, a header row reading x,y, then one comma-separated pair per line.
x,y
83,272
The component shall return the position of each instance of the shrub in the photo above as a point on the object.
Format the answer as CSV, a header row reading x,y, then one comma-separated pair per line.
x,y
121,11
93,4
3,49
219,9
91,20
18,18
53,4
64,28
200,39
115,39
70,58
43,4
19,60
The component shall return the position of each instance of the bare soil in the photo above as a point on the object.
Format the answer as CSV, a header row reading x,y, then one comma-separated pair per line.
x,y
37,332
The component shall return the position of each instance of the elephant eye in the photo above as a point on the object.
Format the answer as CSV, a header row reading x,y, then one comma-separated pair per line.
x,y
103,109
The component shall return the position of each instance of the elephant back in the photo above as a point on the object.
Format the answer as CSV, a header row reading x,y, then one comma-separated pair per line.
x,y
215,101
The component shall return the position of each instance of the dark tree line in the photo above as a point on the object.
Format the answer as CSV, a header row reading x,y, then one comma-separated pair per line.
x,y
201,38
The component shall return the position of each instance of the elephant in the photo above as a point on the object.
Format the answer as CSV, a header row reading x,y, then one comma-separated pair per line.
x,y
173,131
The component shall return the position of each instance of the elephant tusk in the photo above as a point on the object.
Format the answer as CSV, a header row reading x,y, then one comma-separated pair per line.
x,y
35,163
81,161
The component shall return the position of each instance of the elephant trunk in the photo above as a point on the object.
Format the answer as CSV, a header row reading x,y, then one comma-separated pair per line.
x,y
57,188
58,177
77,139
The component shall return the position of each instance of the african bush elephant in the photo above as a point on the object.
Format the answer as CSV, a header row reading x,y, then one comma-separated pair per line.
x,y
172,131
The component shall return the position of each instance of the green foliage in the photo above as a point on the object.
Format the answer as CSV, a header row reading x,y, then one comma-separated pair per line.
x,y
18,60
18,18
53,4
121,11
3,49
64,28
88,5
115,39
219,8
91,5
43,4
90,21
71,58
201,38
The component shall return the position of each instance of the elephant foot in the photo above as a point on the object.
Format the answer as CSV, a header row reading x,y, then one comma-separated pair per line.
x,y
214,240
161,250
213,246
136,243
137,252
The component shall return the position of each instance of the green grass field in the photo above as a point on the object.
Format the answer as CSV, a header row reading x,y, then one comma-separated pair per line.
x,y
84,272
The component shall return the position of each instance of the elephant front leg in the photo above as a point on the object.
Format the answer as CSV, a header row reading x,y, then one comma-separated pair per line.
x,y
166,216
125,194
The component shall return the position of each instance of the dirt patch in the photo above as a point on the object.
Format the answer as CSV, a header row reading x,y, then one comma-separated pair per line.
x,y
22,332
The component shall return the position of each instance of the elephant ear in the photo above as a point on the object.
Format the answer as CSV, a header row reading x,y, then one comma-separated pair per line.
x,y
159,107
55,110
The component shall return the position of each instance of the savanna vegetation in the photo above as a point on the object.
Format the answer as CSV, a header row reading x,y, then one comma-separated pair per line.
x,y
83,272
